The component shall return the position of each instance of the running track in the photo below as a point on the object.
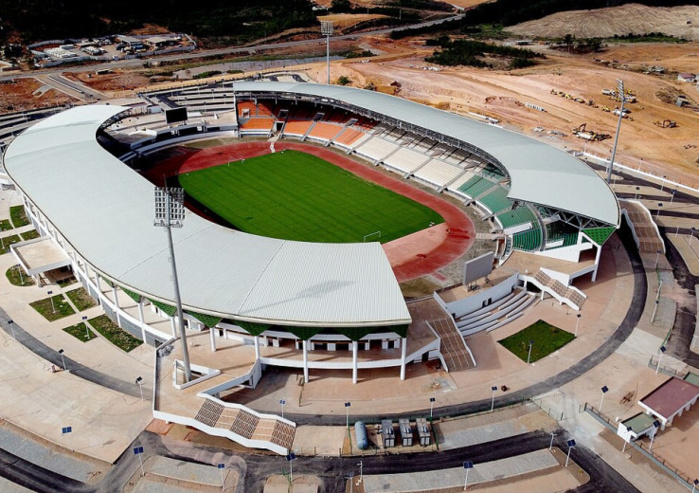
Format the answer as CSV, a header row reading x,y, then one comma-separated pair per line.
x,y
411,257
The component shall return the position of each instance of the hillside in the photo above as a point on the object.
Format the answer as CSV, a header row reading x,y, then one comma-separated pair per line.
x,y
606,22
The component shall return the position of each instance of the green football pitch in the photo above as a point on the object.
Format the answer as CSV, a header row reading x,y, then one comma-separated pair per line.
x,y
296,196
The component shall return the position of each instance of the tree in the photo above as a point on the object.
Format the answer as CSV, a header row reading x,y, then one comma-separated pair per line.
x,y
568,40
343,80
341,6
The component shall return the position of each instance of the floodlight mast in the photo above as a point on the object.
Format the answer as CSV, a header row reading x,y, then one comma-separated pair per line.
x,y
169,213
622,97
326,29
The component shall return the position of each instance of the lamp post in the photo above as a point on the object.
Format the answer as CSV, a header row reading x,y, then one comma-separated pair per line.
x,y
577,323
492,400
657,214
662,351
432,399
655,311
622,97
468,465
672,197
139,382
220,468
138,451
553,435
694,485
691,237
529,354
635,195
169,213
291,458
281,403
53,307
347,406
656,426
87,330
11,323
657,257
571,446
605,389
662,182
628,431
67,430
326,29
60,351
361,471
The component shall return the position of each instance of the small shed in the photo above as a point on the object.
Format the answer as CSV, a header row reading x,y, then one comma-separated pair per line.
x,y
387,433
406,432
670,399
423,432
686,77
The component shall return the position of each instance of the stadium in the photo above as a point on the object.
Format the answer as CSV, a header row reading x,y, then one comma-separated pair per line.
x,y
308,302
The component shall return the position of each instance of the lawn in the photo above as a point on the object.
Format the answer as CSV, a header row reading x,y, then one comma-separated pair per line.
x,y
7,241
114,334
59,309
13,275
81,332
296,196
29,235
5,225
18,216
545,338
81,299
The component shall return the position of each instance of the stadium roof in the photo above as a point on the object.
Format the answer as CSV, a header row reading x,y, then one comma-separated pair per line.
x,y
105,211
539,173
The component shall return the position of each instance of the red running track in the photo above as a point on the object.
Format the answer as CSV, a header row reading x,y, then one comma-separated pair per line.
x,y
411,257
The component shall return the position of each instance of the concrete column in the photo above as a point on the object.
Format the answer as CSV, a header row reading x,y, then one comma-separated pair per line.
x,y
355,347
173,326
140,319
212,337
599,254
98,283
305,361
403,350
257,348
116,304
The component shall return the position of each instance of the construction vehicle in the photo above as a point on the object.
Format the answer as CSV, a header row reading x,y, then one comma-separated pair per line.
x,y
666,123
582,133
605,109
609,92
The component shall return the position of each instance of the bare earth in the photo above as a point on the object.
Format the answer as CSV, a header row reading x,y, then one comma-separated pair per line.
x,y
605,23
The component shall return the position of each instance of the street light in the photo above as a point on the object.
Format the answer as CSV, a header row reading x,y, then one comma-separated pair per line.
x,y
220,468
282,402
662,351
635,195
432,399
347,406
571,446
87,330
67,430
657,214
53,307
672,198
60,351
326,29
11,323
553,435
657,257
529,354
291,458
694,485
656,425
139,382
492,401
605,389
361,471
655,311
468,465
622,97
577,324
169,213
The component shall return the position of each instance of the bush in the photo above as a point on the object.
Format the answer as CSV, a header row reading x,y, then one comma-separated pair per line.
x,y
344,80
521,63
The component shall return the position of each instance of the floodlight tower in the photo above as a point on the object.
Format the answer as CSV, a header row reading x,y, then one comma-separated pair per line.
x,y
622,97
169,213
326,29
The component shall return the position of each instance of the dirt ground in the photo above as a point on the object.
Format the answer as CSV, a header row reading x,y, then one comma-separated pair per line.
x,y
605,23
114,81
503,94
343,21
27,94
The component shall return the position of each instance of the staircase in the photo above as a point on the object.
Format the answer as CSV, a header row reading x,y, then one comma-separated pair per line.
x,y
456,354
565,294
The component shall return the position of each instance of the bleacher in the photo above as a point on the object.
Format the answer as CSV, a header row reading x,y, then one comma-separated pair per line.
x,y
405,160
496,200
297,128
476,186
459,182
324,132
529,240
376,148
438,172
492,172
521,215
559,234
349,137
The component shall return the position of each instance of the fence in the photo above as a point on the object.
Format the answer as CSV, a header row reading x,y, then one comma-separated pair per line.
x,y
653,363
683,478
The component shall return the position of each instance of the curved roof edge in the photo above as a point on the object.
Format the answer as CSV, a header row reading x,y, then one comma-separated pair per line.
x,y
105,210
539,173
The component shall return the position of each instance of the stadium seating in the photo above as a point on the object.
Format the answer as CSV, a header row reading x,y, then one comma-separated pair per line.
x,y
405,160
522,215
297,128
559,231
349,136
529,241
438,172
492,172
476,186
459,182
324,132
376,148
496,200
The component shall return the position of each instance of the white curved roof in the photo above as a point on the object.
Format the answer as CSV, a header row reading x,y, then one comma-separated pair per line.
x,y
105,211
539,173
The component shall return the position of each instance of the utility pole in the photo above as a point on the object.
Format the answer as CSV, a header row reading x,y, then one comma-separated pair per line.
x,y
622,96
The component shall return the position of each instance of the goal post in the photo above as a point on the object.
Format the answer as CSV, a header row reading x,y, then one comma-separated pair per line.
x,y
375,236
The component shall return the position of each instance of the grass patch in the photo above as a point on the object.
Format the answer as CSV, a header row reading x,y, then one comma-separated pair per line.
x,y
29,235
114,334
13,275
59,309
80,331
81,299
18,216
545,337
296,196
5,225
7,241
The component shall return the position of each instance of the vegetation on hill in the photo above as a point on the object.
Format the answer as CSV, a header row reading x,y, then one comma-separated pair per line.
x,y
36,20
466,52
